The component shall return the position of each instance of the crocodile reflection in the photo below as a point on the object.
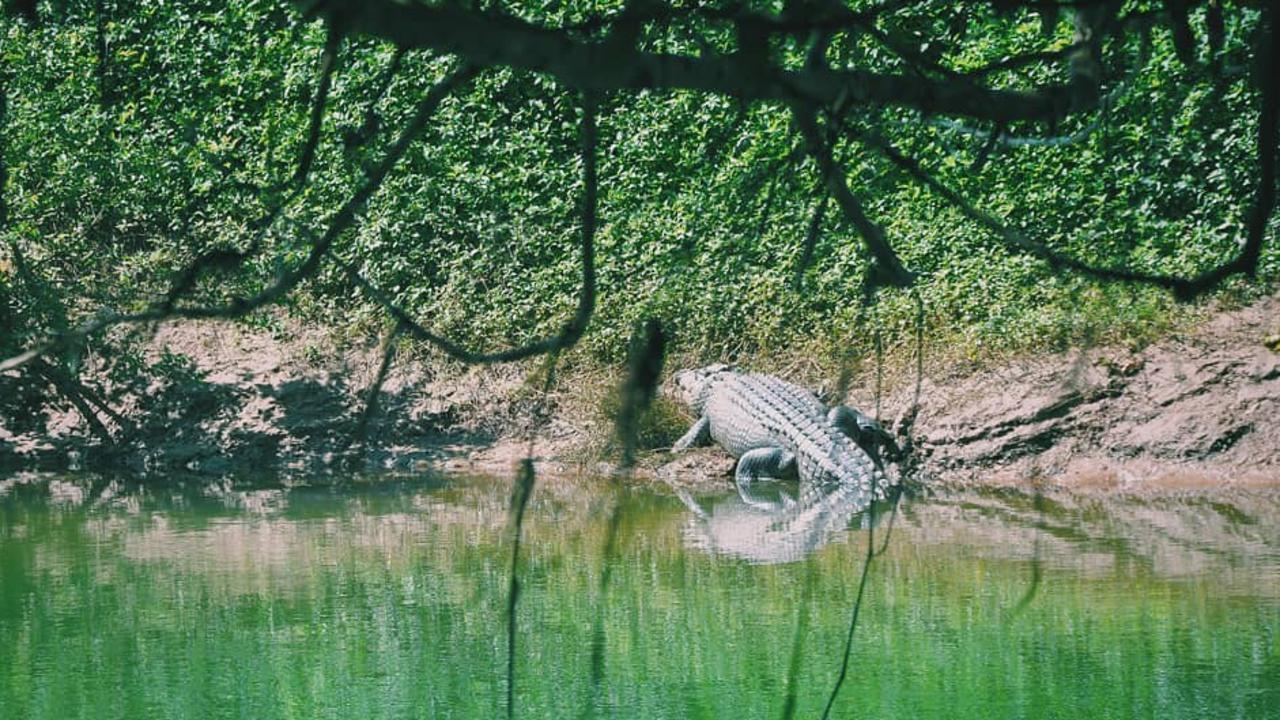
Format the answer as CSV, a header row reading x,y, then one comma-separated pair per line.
x,y
767,525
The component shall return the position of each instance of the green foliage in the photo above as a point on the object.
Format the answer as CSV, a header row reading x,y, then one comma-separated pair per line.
x,y
161,130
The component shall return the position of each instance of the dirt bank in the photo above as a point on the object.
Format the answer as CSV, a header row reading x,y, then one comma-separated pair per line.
x,y
1198,409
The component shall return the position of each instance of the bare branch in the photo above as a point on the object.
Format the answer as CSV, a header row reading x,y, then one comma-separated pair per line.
x,y
328,61
231,258
573,329
70,389
1110,100
487,39
1184,288
1012,238
286,281
833,175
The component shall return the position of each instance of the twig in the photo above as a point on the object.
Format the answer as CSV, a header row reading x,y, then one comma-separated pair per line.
x,y
286,281
573,329
853,616
833,175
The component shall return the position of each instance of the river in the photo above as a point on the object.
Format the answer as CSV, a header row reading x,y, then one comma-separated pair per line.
x,y
386,597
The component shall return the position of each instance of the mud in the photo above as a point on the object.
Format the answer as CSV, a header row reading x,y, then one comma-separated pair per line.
x,y
1197,410
1201,409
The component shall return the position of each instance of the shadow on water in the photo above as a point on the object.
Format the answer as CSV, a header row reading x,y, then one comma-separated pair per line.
x,y
386,598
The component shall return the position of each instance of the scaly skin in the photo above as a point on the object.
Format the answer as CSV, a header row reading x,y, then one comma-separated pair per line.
x,y
776,428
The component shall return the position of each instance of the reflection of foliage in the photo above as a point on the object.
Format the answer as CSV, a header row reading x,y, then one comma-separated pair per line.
x,y
236,575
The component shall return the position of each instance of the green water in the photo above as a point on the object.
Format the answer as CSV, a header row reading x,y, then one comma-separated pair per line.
x,y
387,599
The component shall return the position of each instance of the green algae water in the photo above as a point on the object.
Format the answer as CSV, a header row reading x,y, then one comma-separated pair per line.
x,y
387,597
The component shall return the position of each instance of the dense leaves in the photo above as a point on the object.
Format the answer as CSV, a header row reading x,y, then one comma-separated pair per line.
x,y
141,135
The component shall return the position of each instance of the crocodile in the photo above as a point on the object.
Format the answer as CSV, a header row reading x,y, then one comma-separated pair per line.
x,y
780,430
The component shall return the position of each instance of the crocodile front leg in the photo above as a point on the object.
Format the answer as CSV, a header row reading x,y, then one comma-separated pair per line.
x,y
763,462
699,434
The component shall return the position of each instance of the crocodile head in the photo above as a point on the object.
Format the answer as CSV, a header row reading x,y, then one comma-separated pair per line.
x,y
691,386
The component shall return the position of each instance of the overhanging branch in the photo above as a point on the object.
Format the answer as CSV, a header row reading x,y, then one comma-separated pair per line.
x,y
286,281
833,175
573,329
488,39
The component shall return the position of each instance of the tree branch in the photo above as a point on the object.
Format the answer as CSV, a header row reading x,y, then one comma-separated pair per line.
x,y
573,329
231,258
1184,288
328,61
286,281
487,39
833,175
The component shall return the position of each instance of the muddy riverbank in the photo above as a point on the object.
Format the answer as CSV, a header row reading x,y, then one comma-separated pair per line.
x,y
1197,409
